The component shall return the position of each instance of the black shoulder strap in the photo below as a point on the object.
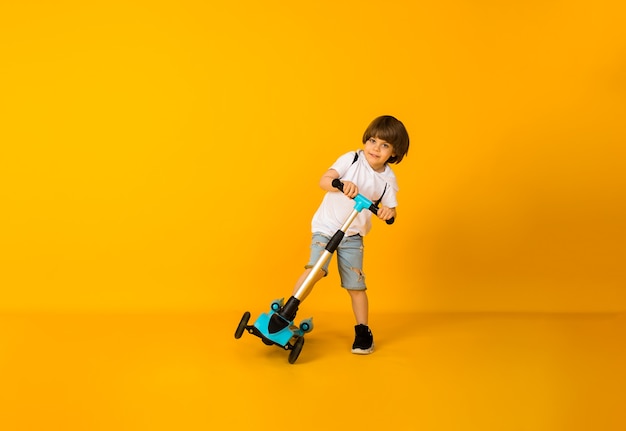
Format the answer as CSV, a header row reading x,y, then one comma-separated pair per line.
x,y
381,196
356,157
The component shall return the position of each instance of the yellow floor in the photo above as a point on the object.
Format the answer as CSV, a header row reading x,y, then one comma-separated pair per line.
x,y
430,372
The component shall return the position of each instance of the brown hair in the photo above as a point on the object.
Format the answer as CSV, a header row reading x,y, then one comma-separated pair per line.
x,y
392,130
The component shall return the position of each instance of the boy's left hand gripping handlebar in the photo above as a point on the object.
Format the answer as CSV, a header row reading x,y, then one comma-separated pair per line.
x,y
373,208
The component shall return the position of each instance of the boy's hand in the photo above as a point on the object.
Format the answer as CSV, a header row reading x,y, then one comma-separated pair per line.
x,y
386,213
350,189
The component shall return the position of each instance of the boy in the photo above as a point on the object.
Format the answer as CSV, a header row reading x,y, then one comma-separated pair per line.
x,y
366,172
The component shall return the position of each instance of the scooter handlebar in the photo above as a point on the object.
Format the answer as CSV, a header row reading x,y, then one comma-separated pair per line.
x,y
373,208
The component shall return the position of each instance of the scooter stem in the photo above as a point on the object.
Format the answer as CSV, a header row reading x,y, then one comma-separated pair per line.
x,y
332,245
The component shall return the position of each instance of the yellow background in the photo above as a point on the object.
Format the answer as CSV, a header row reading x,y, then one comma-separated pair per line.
x,y
160,155
159,163
166,154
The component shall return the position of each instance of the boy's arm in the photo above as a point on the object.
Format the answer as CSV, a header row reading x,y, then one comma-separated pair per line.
x,y
327,179
349,188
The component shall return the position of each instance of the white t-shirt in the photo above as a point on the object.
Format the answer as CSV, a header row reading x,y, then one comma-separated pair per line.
x,y
336,207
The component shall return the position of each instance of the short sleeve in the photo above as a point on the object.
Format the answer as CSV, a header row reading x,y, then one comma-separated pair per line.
x,y
343,163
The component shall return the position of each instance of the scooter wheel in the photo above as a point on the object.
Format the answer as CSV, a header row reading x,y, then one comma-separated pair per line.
x,y
297,348
306,325
242,325
277,304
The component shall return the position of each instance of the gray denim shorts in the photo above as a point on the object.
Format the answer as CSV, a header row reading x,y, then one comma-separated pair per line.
x,y
349,259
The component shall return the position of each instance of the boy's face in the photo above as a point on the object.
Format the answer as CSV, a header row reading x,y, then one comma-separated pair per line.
x,y
377,152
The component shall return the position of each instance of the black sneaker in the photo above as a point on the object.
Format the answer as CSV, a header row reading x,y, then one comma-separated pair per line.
x,y
363,340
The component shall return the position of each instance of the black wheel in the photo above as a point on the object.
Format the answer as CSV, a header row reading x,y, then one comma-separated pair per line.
x,y
242,324
297,348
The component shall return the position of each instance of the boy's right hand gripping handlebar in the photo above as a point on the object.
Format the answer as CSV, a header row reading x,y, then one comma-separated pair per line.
x,y
373,208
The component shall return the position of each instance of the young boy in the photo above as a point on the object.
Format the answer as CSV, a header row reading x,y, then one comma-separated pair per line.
x,y
366,172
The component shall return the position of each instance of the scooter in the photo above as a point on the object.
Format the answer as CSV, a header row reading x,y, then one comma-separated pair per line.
x,y
277,326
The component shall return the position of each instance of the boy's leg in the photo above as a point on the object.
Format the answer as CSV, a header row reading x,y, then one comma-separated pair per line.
x,y
318,245
318,277
350,263
360,306
363,338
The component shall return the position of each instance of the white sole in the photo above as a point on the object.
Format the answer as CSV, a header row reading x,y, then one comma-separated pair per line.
x,y
363,351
